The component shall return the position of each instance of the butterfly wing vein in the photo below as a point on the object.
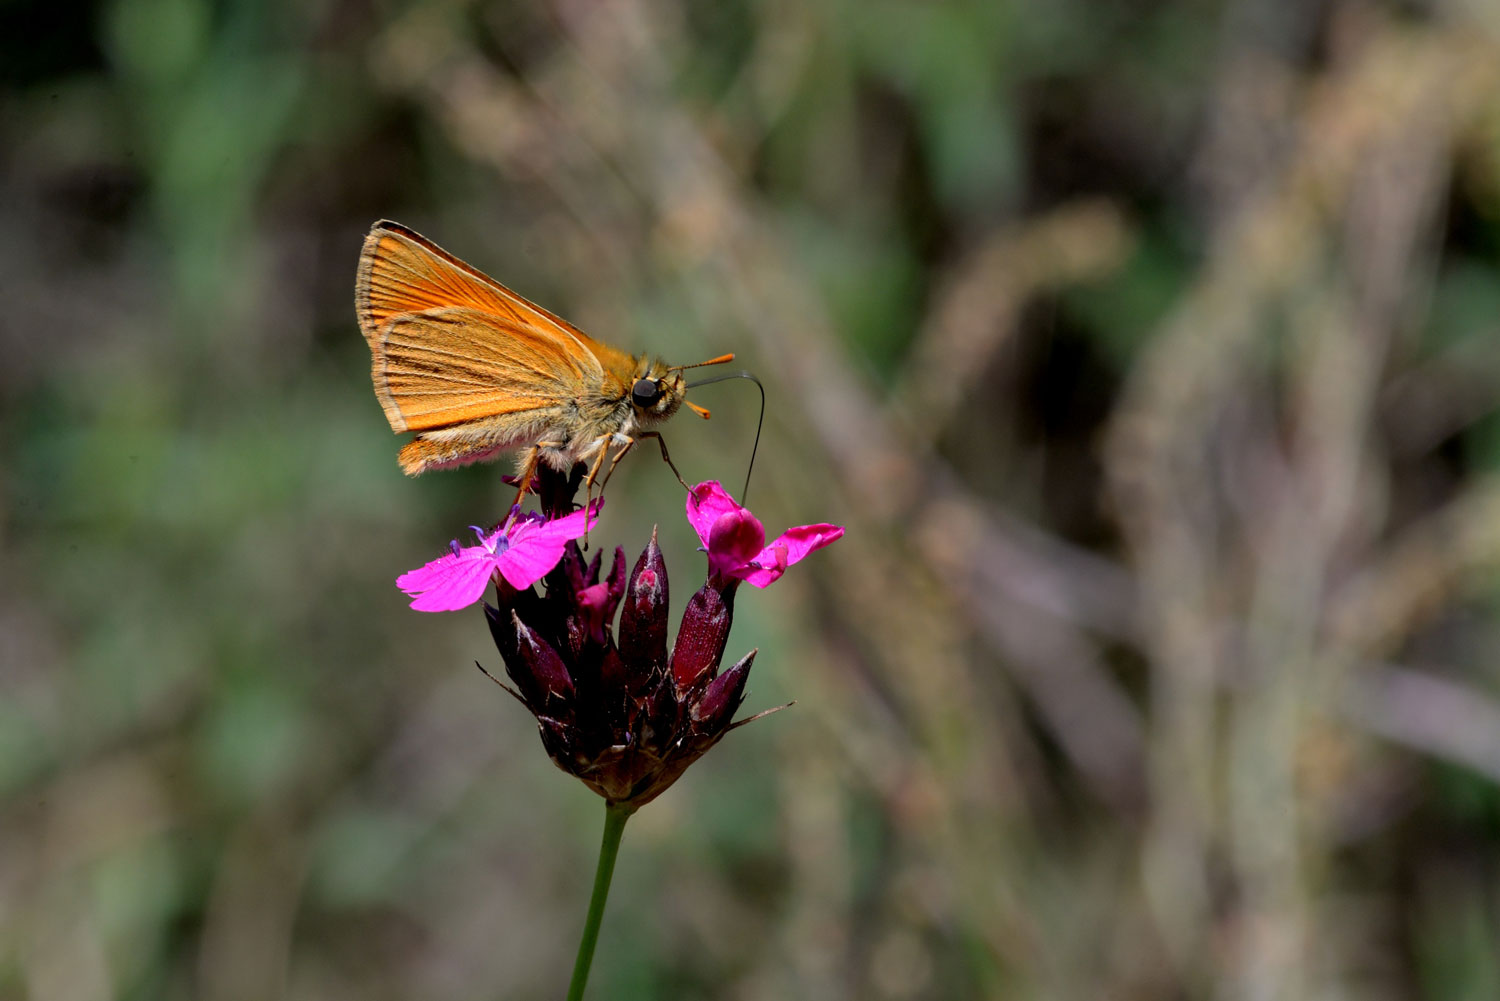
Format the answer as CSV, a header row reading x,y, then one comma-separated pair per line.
x,y
450,345
445,367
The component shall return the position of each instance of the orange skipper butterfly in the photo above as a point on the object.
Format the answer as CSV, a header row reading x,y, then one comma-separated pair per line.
x,y
474,369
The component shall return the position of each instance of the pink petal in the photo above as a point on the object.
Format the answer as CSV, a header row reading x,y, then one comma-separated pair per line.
x,y
804,539
595,603
766,569
734,540
707,504
790,547
450,582
536,546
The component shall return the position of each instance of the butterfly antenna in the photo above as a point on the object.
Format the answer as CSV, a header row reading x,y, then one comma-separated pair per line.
x,y
712,361
759,423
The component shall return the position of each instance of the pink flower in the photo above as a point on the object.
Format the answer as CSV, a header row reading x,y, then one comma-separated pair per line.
x,y
523,550
736,540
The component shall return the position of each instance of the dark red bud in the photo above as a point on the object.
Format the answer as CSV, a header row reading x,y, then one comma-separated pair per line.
x,y
555,490
612,684
714,711
643,624
659,710
701,637
615,582
574,571
575,634
557,737
501,630
536,668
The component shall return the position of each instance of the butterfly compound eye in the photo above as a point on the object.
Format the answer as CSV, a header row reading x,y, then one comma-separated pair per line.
x,y
645,392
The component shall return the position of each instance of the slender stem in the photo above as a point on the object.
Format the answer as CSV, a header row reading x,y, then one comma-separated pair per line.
x,y
615,816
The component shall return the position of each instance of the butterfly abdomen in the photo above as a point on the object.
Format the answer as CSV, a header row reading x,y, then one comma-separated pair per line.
x,y
477,441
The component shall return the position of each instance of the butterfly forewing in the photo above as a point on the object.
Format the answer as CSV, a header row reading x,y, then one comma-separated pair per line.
x,y
401,271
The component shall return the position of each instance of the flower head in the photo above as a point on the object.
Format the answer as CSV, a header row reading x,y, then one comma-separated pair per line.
x,y
628,717
521,550
736,540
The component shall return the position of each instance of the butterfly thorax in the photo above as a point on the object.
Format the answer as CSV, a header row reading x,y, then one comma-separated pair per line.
x,y
626,400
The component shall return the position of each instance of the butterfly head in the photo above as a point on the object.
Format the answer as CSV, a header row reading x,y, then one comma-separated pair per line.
x,y
659,389
656,392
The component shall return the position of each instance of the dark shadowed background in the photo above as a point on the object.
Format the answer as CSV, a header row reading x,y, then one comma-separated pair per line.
x,y
1150,352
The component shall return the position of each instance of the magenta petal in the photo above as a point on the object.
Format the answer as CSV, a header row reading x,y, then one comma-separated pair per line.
x,y
596,604
735,539
450,582
706,505
804,539
529,560
767,570
536,546
793,544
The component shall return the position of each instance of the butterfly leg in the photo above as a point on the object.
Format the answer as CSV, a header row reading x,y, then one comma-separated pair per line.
x,y
594,467
527,471
662,442
593,476
529,462
629,444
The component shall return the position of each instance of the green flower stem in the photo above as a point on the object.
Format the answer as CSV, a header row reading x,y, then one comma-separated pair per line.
x,y
615,816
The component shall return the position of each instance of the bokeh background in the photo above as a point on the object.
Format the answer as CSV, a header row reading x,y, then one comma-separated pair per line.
x,y
1150,352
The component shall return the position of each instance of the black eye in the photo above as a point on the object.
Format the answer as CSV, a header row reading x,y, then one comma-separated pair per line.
x,y
645,392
